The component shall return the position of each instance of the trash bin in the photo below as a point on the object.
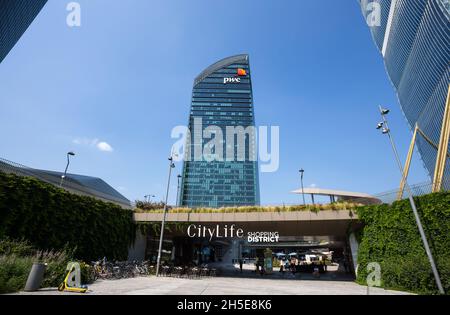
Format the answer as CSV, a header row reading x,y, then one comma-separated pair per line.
x,y
35,277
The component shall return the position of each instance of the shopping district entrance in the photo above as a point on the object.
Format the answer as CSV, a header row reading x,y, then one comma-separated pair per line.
x,y
306,242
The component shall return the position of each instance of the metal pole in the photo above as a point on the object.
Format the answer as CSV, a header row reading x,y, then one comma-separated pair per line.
x,y
303,192
158,262
416,214
65,171
178,189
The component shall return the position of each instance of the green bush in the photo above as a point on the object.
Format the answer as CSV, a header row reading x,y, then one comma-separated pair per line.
x,y
87,273
52,218
14,272
19,248
391,238
15,265
56,266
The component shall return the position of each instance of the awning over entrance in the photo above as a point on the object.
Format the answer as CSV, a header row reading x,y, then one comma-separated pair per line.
x,y
301,223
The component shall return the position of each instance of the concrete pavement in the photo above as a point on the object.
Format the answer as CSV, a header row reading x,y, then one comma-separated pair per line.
x,y
223,286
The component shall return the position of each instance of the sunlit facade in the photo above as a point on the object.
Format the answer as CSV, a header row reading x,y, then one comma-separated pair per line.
x,y
222,96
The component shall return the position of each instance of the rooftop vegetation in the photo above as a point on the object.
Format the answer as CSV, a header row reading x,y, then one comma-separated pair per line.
x,y
250,209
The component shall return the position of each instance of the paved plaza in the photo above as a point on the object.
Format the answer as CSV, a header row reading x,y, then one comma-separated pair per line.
x,y
223,286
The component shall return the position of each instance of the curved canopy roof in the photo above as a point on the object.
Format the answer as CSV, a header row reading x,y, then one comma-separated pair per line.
x,y
345,195
332,192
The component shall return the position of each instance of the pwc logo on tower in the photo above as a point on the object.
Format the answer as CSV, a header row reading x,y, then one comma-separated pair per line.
x,y
236,79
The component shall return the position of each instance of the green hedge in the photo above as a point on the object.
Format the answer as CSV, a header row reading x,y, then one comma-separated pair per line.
x,y
391,238
17,258
52,218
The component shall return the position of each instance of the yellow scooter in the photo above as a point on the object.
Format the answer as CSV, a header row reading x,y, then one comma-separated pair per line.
x,y
74,270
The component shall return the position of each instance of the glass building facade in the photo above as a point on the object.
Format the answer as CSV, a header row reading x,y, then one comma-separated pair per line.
x,y
222,97
15,17
414,39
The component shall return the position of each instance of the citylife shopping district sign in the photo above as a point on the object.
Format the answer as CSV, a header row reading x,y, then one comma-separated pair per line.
x,y
199,231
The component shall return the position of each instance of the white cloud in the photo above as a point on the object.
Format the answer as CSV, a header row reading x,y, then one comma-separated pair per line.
x,y
104,146
100,145
313,185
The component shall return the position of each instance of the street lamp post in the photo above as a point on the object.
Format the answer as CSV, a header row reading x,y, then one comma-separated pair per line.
x,y
178,189
158,261
384,127
148,198
301,179
69,154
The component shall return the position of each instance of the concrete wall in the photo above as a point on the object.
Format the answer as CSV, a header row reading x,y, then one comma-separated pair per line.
x,y
354,246
301,223
325,215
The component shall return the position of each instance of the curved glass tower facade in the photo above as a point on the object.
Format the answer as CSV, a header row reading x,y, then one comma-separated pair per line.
x,y
15,17
414,39
222,100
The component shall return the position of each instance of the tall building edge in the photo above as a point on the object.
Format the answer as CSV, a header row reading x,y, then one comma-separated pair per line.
x,y
15,18
416,54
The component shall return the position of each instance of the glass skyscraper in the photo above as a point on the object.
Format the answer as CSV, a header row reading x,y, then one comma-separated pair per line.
x,y
15,17
414,39
222,97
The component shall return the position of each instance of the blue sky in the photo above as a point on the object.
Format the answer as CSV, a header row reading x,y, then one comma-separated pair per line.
x,y
125,78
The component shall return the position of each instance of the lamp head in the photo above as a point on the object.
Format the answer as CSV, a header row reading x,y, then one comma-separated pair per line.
x,y
71,153
385,131
380,125
384,111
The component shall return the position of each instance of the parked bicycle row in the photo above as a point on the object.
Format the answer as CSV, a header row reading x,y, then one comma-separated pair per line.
x,y
103,269
187,272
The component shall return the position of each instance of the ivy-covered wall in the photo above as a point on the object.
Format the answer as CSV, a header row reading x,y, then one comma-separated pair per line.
x,y
52,218
391,238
